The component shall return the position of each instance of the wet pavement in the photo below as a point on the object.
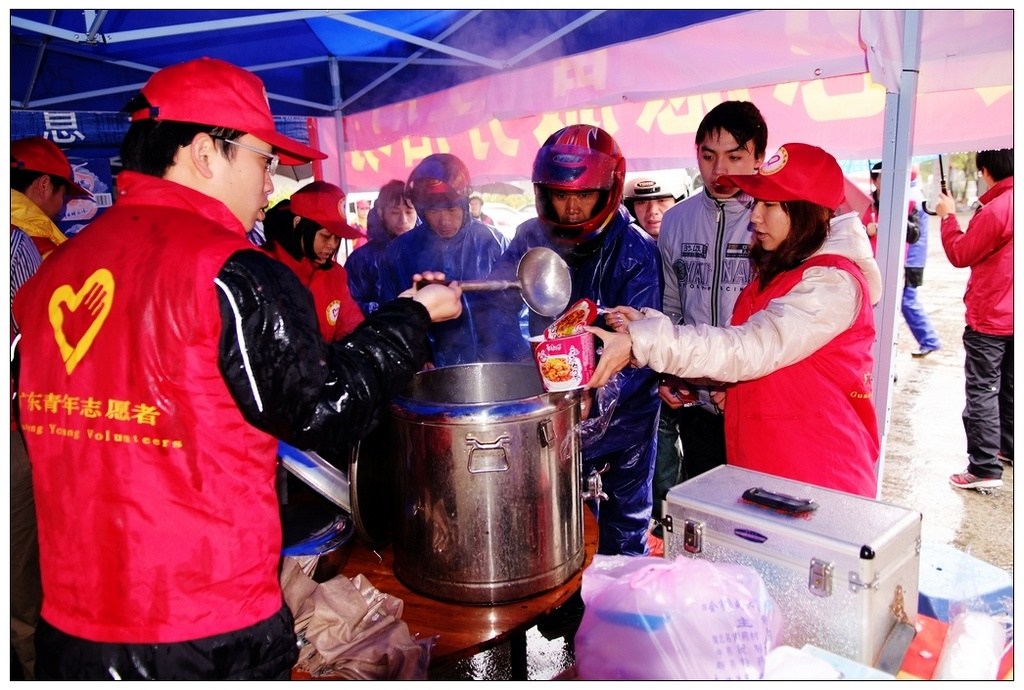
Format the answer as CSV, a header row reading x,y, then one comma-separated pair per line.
x,y
926,441
925,444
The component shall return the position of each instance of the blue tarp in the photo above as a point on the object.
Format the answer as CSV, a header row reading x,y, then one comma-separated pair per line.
x,y
91,134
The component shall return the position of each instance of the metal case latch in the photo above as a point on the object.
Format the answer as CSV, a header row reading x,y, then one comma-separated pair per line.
x,y
693,536
819,580
858,585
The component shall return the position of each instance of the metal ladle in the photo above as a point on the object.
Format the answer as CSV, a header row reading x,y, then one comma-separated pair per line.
x,y
543,280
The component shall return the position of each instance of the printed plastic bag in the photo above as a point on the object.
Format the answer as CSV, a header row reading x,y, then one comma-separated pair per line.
x,y
657,619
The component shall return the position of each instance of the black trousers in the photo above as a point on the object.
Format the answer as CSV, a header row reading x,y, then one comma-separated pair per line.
x,y
702,435
264,651
988,414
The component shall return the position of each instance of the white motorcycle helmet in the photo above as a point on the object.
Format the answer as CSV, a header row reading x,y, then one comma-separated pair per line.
x,y
647,188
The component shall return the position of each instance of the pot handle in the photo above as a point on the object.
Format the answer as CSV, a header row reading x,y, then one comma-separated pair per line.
x,y
487,457
546,433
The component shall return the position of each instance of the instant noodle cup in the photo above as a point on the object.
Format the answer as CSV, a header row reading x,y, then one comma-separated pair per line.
x,y
565,363
571,322
535,342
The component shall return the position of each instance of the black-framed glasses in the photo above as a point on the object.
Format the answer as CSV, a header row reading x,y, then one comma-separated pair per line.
x,y
273,160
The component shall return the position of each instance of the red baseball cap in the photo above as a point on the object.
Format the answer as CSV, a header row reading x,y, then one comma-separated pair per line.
x,y
324,203
797,172
212,92
43,156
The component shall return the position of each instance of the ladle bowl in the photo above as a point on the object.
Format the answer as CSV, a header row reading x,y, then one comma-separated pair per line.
x,y
543,280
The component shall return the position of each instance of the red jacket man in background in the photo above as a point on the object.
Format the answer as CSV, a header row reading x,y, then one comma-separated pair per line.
x,y
987,248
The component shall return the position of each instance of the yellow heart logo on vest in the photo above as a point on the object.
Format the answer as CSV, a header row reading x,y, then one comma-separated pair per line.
x,y
96,296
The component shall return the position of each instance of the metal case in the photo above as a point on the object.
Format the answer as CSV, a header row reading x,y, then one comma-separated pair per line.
x,y
842,574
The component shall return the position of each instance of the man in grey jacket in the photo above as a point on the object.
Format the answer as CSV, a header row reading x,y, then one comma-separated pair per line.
x,y
704,242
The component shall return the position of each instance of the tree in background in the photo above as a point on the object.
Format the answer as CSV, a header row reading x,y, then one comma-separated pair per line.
x,y
961,176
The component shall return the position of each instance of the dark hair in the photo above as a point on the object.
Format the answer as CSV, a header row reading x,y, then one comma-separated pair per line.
x,y
392,194
22,179
741,119
809,224
150,146
280,228
999,163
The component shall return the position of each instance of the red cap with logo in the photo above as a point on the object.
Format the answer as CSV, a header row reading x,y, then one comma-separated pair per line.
x,y
797,172
43,156
212,92
324,203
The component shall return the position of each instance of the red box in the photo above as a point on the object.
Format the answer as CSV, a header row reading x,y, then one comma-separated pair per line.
x,y
923,654
922,657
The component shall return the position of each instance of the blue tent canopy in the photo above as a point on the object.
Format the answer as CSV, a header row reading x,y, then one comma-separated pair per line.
x,y
313,62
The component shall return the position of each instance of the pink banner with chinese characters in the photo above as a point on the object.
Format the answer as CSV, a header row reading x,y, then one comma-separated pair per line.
x,y
844,115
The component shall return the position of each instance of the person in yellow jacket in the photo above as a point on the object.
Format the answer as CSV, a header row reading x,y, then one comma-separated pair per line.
x,y
41,183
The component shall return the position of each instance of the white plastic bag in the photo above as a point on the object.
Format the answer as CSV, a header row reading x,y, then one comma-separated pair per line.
x,y
980,628
653,618
973,648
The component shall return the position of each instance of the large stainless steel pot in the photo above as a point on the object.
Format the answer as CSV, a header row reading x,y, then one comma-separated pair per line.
x,y
488,473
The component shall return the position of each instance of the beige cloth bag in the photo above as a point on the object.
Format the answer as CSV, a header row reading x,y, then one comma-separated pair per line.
x,y
350,630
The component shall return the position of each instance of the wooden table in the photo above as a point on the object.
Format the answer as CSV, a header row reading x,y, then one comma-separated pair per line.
x,y
464,629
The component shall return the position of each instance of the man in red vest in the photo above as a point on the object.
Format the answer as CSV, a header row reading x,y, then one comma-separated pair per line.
x,y
162,357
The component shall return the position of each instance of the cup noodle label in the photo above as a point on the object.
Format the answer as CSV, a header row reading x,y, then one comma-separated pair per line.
x,y
566,363
580,314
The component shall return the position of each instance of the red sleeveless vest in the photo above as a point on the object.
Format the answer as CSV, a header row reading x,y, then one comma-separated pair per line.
x,y
812,421
158,515
336,310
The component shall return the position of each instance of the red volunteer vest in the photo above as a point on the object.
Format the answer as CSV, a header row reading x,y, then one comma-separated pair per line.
x,y
44,245
336,310
158,515
812,421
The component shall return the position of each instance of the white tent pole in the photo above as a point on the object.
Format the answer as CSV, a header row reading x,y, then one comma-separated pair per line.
x,y
339,125
897,149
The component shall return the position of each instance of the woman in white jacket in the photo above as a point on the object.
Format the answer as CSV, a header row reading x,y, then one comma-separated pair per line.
x,y
798,351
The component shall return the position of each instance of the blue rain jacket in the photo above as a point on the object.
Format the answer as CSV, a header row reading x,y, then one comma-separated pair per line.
x,y
365,265
917,252
470,255
618,267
